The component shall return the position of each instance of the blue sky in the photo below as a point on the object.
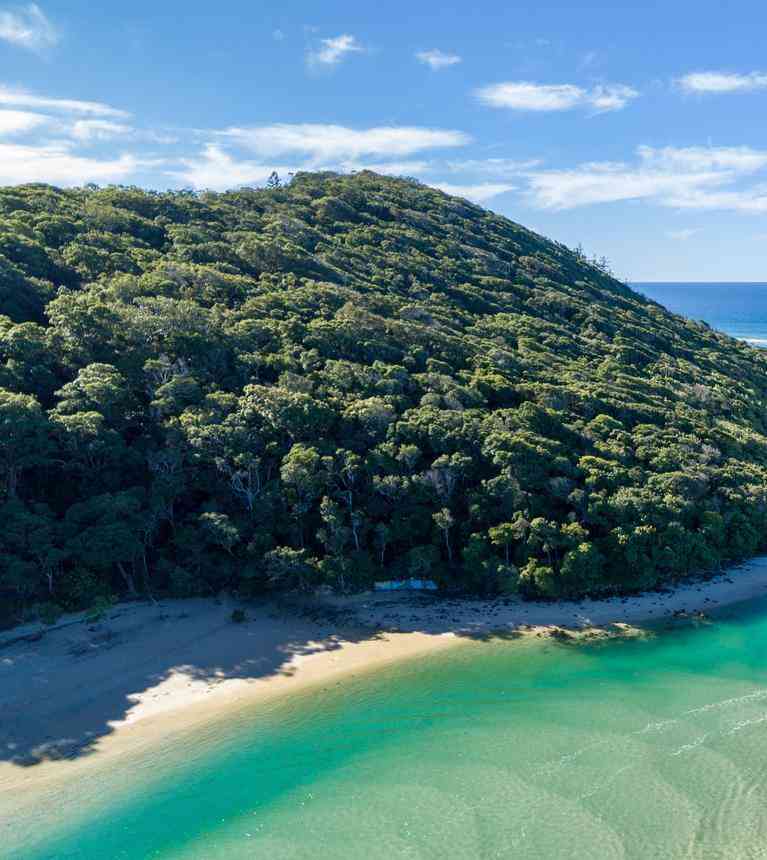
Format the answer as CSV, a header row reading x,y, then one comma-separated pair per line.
x,y
637,130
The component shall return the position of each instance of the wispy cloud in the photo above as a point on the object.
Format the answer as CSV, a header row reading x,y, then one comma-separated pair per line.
x,y
216,169
681,235
722,82
331,51
310,146
497,167
28,27
325,143
748,201
437,59
20,98
528,96
588,60
741,159
478,193
99,129
48,141
19,122
682,178
388,168
59,165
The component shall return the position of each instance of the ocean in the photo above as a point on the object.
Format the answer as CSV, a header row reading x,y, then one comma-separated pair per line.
x,y
738,309
636,748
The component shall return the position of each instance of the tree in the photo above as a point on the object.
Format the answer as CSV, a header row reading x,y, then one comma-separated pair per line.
x,y
103,533
303,479
32,551
98,388
290,568
504,535
24,432
220,530
391,381
444,521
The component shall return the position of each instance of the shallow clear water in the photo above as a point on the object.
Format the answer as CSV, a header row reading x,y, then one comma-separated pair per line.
x,y
738,309
631,749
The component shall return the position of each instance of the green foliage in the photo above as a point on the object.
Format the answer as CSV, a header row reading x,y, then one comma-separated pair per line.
x,y
340,379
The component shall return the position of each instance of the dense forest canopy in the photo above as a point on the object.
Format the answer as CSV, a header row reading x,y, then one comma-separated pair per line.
x,y
345,379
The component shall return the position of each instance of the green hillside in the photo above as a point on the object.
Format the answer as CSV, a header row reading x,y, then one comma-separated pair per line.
x,y
347,379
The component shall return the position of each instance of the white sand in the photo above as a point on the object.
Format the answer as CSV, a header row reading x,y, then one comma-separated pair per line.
x,y
83,695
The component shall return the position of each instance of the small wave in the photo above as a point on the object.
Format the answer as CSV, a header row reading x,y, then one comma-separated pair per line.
x,y
726,703
568,758
659,726
744,724
691,746
602,785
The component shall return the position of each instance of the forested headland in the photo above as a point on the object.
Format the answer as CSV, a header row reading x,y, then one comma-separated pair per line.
x,y
345,379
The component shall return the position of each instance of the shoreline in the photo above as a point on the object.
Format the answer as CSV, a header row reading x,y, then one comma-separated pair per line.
x,y
87,696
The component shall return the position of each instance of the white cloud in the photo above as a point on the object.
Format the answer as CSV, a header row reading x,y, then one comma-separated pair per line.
x,y
326,143
311,146
604,182
747,201
20,98
722,82
98,129
493,166
610,97
332,51
18,121
478,193
392,168
58,165
681,235
218,170
27,27
742,159
683,178
527,96
437,59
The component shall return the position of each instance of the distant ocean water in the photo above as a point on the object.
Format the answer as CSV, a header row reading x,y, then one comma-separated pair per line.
x,y
738,309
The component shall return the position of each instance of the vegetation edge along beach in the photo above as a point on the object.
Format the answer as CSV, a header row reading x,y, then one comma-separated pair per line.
x,y
157,672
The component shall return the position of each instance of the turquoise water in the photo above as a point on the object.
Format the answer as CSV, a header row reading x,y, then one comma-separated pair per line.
x,y
624,749
738,309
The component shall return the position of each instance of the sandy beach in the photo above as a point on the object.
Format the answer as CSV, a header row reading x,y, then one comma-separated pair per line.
x,y
81,695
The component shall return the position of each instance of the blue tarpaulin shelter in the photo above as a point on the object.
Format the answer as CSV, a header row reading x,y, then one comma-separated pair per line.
x,y
406,585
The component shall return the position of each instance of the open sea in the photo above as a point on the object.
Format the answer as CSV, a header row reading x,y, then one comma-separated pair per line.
x,y
644,748
738,309
652,748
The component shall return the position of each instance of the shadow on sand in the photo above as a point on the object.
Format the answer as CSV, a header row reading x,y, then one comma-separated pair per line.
x,y
63,689
62,692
